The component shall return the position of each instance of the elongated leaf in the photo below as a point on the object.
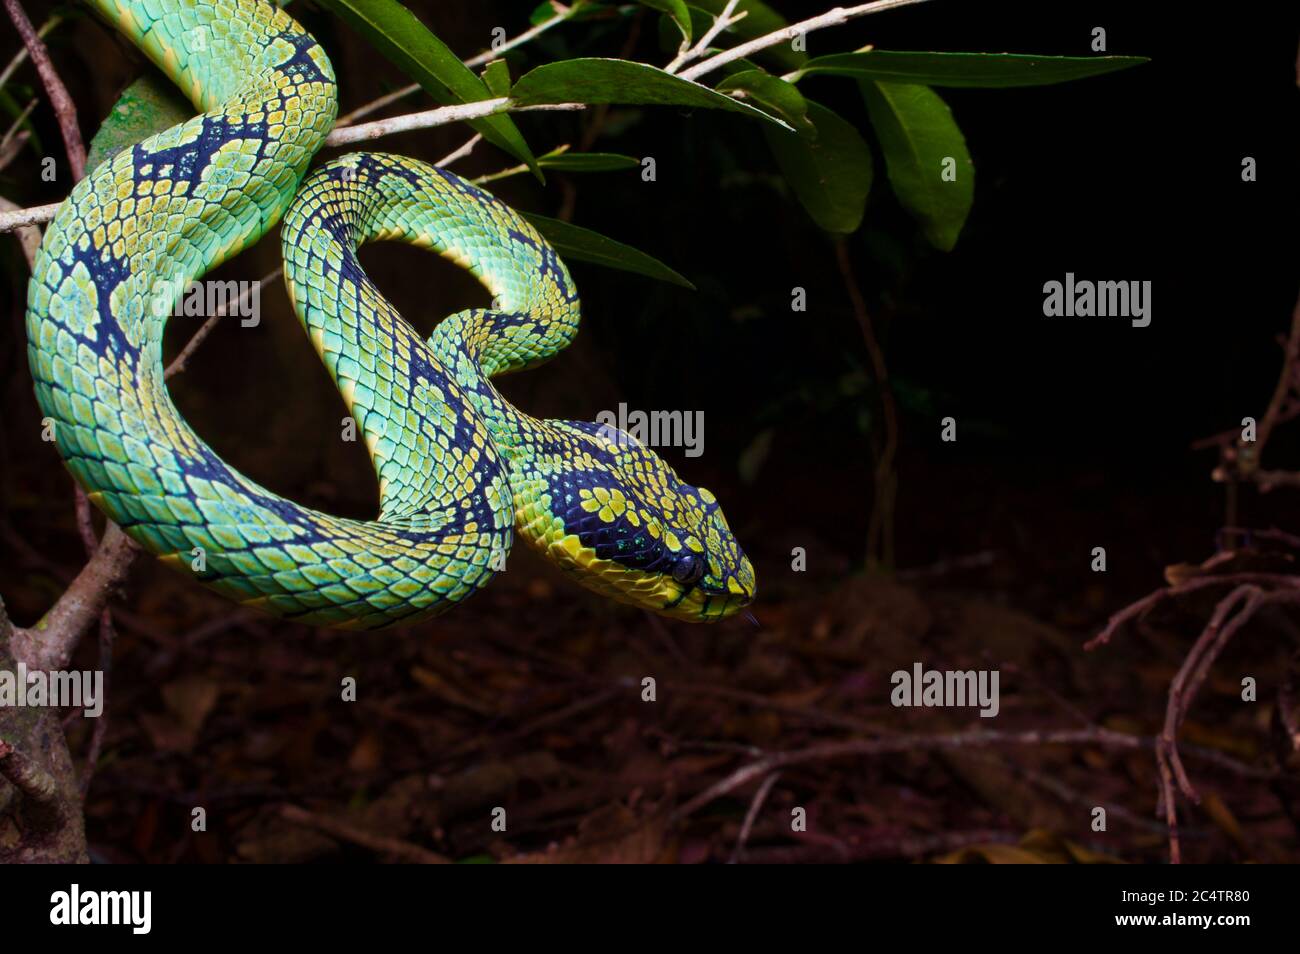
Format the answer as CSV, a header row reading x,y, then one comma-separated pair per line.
x,y
829,169
584,245
759,20
774,93
496,76
408,44
595,80
149,105
925,155
588,162
966,69
676,10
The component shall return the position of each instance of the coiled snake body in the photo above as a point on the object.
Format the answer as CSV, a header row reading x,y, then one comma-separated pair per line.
x,y
460,470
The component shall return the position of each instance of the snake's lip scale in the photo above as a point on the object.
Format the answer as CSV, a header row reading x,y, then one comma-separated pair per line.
x,y
461,471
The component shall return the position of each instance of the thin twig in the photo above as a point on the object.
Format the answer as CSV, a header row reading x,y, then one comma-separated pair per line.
x,y
905,743
107,637
182,360
1142,607
64,108
437,117
880,527
17,218
14,132
830,18
29,236
750,816
724,19
377,843
461,152
21,56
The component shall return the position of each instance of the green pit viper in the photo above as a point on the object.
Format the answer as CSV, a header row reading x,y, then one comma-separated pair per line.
x,y
461,471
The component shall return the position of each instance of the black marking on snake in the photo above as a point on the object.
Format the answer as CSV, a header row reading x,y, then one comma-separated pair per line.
x,y
550,264
376,166
206,465
456,182
301,65
107,272
187,162
501,321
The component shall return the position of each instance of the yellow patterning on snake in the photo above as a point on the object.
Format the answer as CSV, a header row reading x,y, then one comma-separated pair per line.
x,y
460,470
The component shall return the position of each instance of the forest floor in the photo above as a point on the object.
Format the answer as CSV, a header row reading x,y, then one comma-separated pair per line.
x,y
533,700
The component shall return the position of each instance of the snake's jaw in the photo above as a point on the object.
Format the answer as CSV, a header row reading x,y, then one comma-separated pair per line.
x,y
716,598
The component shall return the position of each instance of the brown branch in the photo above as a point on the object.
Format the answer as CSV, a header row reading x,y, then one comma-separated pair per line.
x,y
377,843
1249,592
64,108
49,644
36,784
1288,711
1240,460
107,636
833,17
29,236
1142,607
1188,681
1285,384
878,849
880,532
887,745
750,816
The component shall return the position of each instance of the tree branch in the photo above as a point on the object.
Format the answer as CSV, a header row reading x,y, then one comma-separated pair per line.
x,y
49,644
834,17
887,745
64,108
437,117
36,784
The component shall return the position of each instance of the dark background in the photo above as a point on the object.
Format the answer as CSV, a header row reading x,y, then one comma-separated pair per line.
x,y
1073,433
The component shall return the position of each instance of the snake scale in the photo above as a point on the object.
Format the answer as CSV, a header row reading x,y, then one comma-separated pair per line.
x,y
461,471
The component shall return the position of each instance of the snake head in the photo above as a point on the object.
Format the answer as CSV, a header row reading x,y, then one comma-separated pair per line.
x,y
622,523
715,580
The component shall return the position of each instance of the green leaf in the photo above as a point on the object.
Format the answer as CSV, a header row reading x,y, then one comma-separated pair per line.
x,y
542,12
596,80
966,69
407,43
920,140
496,76
576,11
760,20
772,92
676,10
149,105
829,169
584,245
588,162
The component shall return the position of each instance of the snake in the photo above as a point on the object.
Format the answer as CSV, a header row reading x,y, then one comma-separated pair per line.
x,y
461,472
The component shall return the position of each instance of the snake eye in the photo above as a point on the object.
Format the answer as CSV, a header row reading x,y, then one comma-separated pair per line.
x,y
688,569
